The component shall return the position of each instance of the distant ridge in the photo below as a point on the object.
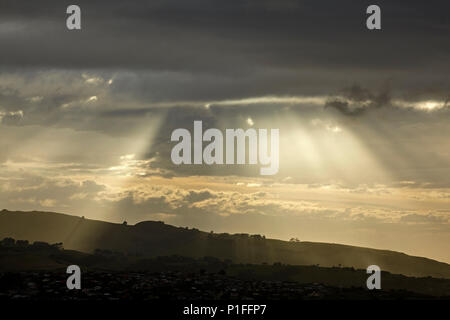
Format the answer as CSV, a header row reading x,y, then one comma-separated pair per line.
x,y
152,238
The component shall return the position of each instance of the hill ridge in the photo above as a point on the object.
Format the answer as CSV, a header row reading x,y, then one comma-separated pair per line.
x,y
156,238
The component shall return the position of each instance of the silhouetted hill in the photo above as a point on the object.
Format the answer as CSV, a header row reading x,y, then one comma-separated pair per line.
x,y
154,239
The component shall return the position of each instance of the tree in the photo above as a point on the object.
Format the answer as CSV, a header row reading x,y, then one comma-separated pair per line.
x,y
22,243
8,242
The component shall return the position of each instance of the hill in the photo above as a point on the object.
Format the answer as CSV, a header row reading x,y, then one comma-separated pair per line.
x,y
152,239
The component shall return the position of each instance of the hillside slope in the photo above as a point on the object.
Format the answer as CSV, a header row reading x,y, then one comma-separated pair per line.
x,y
157,239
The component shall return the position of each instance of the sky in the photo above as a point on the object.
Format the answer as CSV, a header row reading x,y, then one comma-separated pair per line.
x,y
364,116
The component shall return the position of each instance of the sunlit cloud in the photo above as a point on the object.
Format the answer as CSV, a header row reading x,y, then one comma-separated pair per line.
x,y
92,79
92,99
313,100
427,105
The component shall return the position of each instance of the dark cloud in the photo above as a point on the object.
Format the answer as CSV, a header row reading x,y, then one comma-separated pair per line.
x,y
195,196
12,119
356,100
134,209
285,46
